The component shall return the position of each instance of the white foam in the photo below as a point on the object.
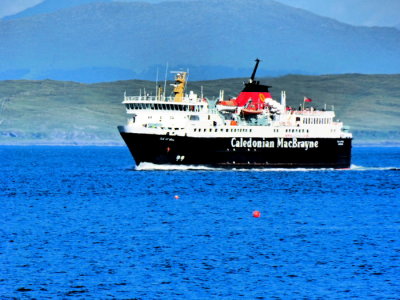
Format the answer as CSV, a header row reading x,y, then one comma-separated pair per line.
x,y
361,168
168,167
151,167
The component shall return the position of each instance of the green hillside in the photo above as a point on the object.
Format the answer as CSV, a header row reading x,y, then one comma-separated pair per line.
x,y
57,112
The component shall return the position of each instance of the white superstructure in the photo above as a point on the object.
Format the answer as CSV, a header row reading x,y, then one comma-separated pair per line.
x,y
192,116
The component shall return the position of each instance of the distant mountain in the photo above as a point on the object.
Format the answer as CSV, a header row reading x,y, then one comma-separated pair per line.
x,y
50,6
214,38
368,13
354,12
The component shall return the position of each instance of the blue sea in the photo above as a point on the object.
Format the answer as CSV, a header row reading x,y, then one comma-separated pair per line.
x,y
82,222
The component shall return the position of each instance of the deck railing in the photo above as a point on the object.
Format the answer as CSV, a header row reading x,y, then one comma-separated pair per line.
x,y
160,99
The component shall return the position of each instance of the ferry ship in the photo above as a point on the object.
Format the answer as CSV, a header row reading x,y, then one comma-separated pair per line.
x,y
250,131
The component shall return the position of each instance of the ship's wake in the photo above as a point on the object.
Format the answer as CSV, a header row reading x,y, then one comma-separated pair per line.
x,y
170,167
155,167
362,168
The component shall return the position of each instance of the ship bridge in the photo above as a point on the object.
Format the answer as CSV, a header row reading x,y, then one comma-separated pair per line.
x,y
189,103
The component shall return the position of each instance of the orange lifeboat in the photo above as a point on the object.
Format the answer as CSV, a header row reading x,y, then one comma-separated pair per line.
x,y
249,112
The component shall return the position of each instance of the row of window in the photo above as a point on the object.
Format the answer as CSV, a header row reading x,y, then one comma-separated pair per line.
x,y
293,130
230,129
222,130
317,120
159,106
246,130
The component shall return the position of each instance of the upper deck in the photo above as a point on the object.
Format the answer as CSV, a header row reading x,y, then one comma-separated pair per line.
x,y
189,103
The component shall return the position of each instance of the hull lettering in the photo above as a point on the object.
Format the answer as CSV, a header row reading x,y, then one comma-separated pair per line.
x,y
281,143
251,143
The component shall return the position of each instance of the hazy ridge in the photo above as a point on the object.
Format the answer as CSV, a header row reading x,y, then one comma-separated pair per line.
x,y
108,41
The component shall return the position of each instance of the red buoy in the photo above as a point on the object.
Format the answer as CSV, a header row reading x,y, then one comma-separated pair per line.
x,y
176,197
256,214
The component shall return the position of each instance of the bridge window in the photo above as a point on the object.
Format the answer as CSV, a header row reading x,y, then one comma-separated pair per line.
x,y
194,118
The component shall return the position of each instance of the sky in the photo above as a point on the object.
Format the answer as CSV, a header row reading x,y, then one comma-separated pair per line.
x,y
354,12
10,7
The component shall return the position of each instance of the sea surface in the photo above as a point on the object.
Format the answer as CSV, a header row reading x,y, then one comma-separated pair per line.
x,y
82,222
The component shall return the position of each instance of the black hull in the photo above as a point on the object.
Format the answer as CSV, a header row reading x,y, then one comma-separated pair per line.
x,y
239,152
